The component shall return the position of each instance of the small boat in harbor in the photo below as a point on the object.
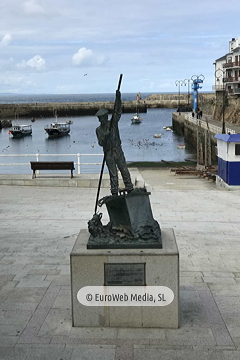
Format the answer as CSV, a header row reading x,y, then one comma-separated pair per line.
x,y
69,122
57,129
157,135
18,131
136,119
181,146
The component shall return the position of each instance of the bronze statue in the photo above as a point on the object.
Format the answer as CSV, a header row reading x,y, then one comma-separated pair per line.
x,y
131,224
109,138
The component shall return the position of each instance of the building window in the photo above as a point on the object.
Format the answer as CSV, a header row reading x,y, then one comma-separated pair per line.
x,y
237,149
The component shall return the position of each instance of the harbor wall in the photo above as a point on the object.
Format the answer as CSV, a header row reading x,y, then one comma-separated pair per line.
x,y
174,100
37,110
190,130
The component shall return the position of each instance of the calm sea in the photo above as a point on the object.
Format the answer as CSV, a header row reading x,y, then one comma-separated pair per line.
x,y
138,141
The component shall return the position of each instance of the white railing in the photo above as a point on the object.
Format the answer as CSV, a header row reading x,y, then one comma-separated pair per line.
x,y
213,128
79,162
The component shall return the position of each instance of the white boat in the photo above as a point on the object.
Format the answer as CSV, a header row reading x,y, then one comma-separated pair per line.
x,y
157,135
136,119
168,129
18,131
57,129
69,122
181,146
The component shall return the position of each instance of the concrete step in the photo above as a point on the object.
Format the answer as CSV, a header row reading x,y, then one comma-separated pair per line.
x,y
64,180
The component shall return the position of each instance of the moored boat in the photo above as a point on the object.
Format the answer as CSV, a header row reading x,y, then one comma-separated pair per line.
x,y
18,131
157,135
57,129
181,146
136,119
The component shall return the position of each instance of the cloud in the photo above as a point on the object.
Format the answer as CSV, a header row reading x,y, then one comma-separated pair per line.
x,y
32,7
35,63
86,58
6,39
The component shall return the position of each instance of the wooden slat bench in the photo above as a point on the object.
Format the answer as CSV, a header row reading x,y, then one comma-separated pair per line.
x,y
52,165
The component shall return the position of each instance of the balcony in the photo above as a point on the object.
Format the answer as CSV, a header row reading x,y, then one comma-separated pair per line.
x,y
236,91
228,65
231,79
232,64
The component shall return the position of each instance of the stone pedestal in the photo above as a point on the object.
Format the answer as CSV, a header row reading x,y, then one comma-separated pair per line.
x,y
161,269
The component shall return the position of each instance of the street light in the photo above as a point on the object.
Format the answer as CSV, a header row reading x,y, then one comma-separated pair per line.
x,y
220,75
179,83
188,80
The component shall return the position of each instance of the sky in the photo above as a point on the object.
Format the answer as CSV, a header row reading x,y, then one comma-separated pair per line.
x,y
82,46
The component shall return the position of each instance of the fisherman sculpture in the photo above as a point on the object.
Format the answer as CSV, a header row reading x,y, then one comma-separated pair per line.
x,y
109,138
131,222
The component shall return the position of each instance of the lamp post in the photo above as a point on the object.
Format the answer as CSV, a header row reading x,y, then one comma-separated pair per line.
x,y
179,83
219,73
188,80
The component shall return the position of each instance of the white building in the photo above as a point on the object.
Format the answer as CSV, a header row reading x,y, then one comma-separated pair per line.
x,y
227,70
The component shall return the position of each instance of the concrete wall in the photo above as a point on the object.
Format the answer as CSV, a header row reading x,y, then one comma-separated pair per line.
x,y
63,109
89,108
189,131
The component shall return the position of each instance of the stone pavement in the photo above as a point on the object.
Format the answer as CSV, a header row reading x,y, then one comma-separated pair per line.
x,y
38,228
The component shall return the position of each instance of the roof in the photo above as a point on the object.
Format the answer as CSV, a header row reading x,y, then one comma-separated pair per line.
x,y
222,58
228,138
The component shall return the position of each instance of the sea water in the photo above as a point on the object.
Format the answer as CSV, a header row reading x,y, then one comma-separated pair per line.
x,y
138,141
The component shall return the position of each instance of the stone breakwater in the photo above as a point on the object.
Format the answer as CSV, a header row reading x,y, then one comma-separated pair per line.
x,y
172,101
38,110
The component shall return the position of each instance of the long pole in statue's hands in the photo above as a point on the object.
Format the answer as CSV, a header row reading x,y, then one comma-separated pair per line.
x,y
104,158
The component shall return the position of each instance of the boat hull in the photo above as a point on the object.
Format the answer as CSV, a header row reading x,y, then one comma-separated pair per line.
x,y
18,134
56,133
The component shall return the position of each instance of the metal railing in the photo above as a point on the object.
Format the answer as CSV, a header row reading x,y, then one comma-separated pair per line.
x,y
231,64
213,128
78,163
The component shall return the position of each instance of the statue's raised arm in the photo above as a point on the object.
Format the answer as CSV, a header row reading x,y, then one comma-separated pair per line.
x,y
117,109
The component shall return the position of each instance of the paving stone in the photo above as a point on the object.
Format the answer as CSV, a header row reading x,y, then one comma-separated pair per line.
x,y
101,352
58,322
124,352
231,355
199,355
98,333
8,341
13,353
190,335
154,354
141,334
215,319
63,300
52,353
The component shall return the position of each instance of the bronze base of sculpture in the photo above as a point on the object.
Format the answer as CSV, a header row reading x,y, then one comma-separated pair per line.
x,y
131,225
